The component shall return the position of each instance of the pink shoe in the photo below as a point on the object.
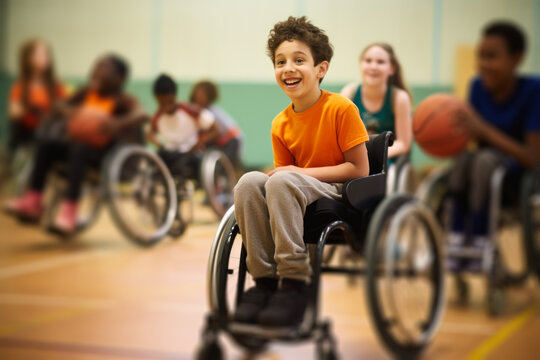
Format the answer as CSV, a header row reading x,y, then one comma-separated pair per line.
x,y
27,208
66,220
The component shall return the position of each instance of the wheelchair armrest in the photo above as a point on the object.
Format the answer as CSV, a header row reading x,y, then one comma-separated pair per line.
x,y
364,192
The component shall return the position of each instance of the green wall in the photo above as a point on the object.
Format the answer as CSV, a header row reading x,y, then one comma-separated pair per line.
x,y
253,105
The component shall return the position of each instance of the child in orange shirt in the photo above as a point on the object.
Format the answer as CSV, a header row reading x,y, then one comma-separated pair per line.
x,y
33,93
318,143
96,116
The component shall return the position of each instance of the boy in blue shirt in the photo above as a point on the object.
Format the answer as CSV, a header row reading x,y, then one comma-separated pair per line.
x,y
505,122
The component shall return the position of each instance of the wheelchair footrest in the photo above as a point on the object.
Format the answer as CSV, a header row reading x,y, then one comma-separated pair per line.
x,y
289,333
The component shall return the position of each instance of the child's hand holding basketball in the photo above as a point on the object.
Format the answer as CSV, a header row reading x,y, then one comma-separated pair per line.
x,y
470,122
110,127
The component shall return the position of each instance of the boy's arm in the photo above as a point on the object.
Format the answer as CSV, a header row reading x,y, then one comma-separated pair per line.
x,y
209,135
355,165
136,116
527,154
207,122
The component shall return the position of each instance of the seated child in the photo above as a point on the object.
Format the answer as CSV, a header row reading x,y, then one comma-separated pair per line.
x,y
180,130
96,116
229,139
318,143
383,98
506,124
33,94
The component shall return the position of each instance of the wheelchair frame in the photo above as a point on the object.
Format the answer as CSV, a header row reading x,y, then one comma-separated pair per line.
x,y
254,337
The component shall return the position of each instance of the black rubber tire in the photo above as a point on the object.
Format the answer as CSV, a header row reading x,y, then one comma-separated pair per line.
x,y
221,274
462,290
383,214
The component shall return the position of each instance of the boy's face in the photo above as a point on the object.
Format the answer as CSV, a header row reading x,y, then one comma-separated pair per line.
x,y
104,78
166,103
295,69
496,65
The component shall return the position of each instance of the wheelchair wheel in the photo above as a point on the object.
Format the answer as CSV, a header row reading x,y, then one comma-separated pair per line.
x,y
142,194
218,178
433,192
530,212
405,277
228,277
184,213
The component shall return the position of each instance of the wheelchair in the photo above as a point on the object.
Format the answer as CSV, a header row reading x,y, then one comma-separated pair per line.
x,y
514,214
134,184
401,178
214,172
399,239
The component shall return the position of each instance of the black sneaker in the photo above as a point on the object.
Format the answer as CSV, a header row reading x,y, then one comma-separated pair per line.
x,y
286,307
254,300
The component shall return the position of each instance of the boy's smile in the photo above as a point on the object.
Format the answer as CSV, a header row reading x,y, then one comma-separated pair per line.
x,y
297,75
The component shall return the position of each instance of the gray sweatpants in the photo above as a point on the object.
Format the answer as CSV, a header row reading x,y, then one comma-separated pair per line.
x,y
269,212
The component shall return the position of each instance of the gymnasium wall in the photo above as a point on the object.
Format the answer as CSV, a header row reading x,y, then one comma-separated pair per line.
x,y
225,40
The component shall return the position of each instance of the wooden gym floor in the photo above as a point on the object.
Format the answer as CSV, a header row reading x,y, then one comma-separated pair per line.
x,y
100,297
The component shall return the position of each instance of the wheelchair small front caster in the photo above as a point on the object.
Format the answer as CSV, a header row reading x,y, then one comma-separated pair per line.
x,y
495,301
209,349
326,349
462,290
326,345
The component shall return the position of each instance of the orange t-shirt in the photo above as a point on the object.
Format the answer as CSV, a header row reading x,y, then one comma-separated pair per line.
x,y
85,125
318,136
39,97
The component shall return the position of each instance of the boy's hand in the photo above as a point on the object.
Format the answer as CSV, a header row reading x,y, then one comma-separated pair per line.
x,y
286,168
471,123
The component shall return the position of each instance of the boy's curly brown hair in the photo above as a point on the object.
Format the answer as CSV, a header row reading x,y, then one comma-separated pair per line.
x,y
303,30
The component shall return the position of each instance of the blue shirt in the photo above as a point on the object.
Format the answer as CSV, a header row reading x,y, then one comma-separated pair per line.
x,y
516,116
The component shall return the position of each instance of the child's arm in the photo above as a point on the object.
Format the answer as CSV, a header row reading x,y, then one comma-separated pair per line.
x,y
527,153
210,129
208,136
402,124
151,137
136,116
355,165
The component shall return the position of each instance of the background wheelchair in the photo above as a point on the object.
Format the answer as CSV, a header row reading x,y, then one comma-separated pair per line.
x,y
135,185
214,173
399,239
401,176
514,219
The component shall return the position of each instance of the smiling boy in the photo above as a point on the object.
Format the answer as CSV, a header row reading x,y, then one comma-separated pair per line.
x,y
318,143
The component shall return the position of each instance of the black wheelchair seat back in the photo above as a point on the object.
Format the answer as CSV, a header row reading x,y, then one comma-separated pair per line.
x,y
360,196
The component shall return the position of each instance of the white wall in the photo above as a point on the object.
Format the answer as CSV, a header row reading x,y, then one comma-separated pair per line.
x,y
225,39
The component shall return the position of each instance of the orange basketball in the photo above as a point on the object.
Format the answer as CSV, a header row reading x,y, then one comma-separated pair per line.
x,y
86,126
435,128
